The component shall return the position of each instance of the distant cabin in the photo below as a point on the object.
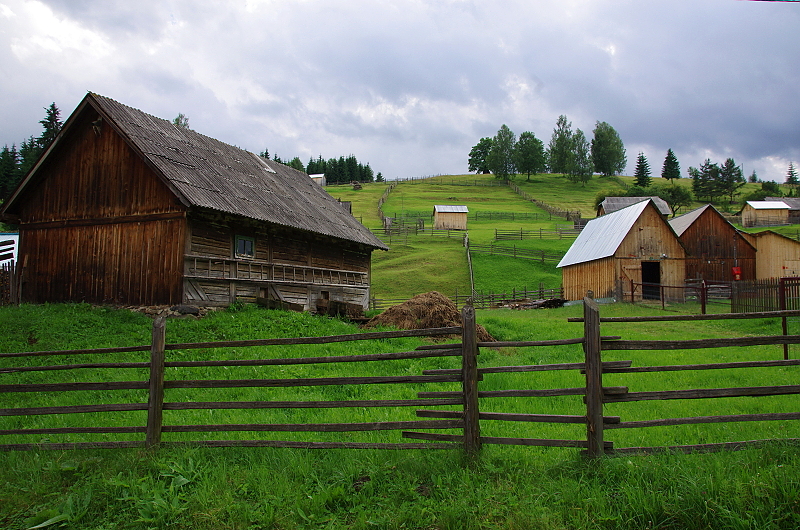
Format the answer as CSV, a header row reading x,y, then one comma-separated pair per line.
x,y
448,217
778,256
765,213
612,204
714,246
634,245
794,207
319,178
126,208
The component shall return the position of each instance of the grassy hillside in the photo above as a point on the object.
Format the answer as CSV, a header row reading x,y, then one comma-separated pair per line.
x,y
505,487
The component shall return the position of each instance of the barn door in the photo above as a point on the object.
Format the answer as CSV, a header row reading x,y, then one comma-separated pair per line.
x,y
651,280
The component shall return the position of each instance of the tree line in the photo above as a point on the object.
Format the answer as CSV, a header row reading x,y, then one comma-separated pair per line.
x,y
15,162
569,153
337,170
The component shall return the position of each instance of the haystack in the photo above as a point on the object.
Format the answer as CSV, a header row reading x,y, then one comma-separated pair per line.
x,y
428,310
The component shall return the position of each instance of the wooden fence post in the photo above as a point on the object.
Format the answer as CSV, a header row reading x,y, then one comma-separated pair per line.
x,y
594,376
155,403
469,373
784,323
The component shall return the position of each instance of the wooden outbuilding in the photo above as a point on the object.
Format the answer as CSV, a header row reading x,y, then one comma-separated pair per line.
x,y
765,213
714,247
794,207
632,246
778,256
127,208
448,217
612,204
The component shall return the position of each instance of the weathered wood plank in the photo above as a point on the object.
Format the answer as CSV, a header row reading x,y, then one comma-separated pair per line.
x,y
712,366
318,427
315,381
69,387
712,447
699,343
155,402
678,318
469,381
204,405
77,430
95,351
608,390
731,418
72,409
530,368
507,416
705,393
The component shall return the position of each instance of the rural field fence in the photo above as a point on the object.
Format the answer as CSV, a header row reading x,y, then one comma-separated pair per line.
x,y
514,252
472,402
560,232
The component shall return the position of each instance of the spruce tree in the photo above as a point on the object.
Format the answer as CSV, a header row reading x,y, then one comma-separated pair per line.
x,y
791,177
642,175
671,169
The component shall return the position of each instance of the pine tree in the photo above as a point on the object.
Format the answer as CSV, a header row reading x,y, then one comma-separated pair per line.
x,y
642,174
671,169
791,177
730,178
705,181
9,170
52,125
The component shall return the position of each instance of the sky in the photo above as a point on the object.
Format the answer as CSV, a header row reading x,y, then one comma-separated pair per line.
x,y
409,86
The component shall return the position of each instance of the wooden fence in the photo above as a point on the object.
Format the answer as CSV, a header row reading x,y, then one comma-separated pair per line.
x,y
514,252
539,233
472,402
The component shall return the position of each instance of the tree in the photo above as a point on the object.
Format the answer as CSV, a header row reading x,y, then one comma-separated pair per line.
x,y
9,170
730,178
529,154
501,156
753,177
560,147
379,177
579,162
705,181
264,154
675,196
791,177
181,121
608,151
52,125
297,164
671,169
642,174
478,156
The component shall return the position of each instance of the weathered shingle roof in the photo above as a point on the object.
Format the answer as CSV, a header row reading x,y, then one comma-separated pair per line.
x,y
602,236
682,222
206,173
612,204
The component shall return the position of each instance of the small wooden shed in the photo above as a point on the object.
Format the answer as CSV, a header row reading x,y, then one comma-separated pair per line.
x,y
127,208
449,217
612,204
714,246
778,256
634,244
765,213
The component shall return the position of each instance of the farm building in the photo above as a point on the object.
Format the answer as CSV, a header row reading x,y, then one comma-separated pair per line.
x,y
319,178
794,207
631,246
450,217
612,204
714,246
127,208
765,213
778,256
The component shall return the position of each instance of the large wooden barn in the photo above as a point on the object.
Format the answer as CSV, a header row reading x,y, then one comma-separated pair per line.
x,y
127,208
714,247
778,256
634,245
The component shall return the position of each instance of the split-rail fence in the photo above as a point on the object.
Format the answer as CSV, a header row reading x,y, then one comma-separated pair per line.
x,y
463,423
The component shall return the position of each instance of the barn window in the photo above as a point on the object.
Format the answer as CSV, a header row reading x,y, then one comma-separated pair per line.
x,y
245,247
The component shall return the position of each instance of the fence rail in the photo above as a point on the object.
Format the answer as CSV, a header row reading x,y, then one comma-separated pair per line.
x,y
474,402
540,233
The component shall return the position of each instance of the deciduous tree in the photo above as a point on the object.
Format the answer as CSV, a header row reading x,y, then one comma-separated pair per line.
x,y
560,147
501,156
478,156
579,161
608,151
529,154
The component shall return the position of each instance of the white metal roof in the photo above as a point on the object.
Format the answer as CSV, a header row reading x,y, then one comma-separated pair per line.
x,y
446,208
601,237
768,205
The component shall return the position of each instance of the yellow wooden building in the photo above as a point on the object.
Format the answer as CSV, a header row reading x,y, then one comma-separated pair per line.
x,y
449,217
777,256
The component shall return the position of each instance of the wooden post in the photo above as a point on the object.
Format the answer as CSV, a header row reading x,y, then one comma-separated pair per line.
x,y
469,373
703,297
784,323
594,376
155,404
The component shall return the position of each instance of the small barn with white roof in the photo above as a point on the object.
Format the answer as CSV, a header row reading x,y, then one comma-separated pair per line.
x,y
765,213
632,250
448,217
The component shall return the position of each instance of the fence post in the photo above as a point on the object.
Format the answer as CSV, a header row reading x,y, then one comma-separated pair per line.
x,y
703,297
784,323
469,374
594,376
155,403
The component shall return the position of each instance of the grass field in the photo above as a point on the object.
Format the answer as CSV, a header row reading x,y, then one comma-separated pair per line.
x,y
505,487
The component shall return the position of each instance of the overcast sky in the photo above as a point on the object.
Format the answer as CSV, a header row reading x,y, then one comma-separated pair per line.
x,y
410,86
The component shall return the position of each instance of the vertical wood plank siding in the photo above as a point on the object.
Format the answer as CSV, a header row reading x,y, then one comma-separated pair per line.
x,y
777,256
714,247
88,231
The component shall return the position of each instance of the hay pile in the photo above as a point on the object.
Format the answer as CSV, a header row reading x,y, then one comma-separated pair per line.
x,y
428,310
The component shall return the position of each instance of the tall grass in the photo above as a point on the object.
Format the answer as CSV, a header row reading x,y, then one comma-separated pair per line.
x,y
505,487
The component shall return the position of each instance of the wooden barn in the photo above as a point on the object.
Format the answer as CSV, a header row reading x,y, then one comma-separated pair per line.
x,y
448,217
714,246
778,256
794,207
765,213
633,245
127,208
612,204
